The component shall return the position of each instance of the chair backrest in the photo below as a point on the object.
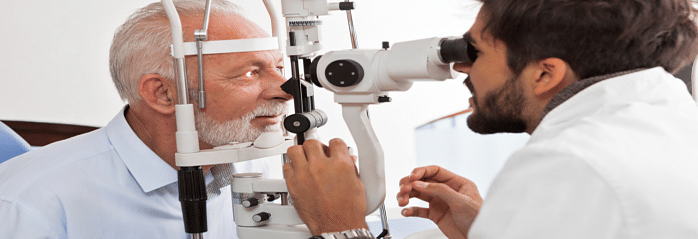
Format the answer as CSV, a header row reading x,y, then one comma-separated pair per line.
x,y
11,144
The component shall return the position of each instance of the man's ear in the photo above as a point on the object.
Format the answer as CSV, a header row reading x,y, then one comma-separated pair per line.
x,y
554,75
158,93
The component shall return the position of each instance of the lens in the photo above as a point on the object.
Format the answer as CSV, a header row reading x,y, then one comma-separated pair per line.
x,y
455,50
472,52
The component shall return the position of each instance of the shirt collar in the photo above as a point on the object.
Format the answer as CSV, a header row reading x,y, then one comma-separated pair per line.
x,y
149,170
578,86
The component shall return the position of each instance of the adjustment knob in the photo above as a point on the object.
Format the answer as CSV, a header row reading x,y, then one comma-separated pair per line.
x,y
250,202
300,123
271,197
260,217
344,73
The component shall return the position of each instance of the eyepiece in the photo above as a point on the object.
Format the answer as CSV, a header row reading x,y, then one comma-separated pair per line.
x,y
454,50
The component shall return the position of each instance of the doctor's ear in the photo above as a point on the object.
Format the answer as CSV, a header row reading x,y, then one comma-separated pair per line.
x,y
158,93
554,75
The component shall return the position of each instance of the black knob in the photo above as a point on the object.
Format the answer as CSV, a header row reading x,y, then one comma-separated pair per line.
x,y
386,45
312,76
250,202
192,195
301,123
344,73
260,217
345,6
271,197
384,99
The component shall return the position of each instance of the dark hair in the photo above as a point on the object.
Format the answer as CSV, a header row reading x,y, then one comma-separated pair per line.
x,y
595,37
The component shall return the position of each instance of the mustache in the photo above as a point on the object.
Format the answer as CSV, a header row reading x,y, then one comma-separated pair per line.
x,y
269,109
469,84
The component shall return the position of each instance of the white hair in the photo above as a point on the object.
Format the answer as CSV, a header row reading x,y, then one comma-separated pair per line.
x,y
142,44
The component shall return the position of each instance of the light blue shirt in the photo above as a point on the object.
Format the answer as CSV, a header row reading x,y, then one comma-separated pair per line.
x,y
103,184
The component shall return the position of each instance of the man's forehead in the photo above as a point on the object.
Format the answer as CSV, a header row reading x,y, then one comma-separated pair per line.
x,y
477,35
223,27
477,32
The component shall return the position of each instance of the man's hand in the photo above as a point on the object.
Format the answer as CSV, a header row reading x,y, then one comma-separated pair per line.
x,y
325,187
453,200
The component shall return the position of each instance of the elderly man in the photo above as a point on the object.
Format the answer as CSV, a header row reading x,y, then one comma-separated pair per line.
x,y
120,181
612,151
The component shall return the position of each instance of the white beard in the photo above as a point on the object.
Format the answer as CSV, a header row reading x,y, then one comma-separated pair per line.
x,y
236,130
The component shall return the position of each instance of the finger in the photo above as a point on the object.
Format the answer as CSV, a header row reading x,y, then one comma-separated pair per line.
x,y
314,150
405,181
403,196
288,170
417,174
296,156
406,192
353,160
440,191
415,212
434,173
337,148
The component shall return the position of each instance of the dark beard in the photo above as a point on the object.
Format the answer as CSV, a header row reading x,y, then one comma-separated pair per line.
x,y
501,111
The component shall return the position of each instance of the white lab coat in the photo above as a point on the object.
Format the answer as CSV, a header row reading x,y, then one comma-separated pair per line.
x,y
617,160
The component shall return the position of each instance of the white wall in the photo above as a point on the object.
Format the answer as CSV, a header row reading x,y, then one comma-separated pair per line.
x,y
54,65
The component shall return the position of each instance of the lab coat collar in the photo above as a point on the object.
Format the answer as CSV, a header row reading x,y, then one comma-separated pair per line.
x,y
654,86
149,170
578,86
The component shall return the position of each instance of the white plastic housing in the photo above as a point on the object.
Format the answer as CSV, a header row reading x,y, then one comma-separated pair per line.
x,y
417,60
186,135
268,144
371,159
390,70
307,36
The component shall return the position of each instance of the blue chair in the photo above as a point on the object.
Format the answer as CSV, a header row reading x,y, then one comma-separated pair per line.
x,y
11,144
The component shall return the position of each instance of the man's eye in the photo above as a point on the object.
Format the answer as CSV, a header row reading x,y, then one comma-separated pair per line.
x,y
250,74
472,52
280,69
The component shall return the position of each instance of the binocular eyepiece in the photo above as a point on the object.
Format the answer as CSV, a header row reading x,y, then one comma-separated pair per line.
x,y
456,50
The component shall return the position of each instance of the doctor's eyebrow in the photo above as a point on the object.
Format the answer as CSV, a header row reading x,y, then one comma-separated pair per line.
x,y
469,38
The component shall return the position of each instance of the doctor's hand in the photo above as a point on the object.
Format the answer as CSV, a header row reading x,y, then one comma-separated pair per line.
x,y
325,187
454,201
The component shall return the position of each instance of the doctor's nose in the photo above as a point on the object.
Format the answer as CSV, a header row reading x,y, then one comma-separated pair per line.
x,y
462,67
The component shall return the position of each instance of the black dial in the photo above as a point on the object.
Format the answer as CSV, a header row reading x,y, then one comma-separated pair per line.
x,y
344,73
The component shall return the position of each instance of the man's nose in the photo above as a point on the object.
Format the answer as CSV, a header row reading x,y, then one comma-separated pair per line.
x,y
274,91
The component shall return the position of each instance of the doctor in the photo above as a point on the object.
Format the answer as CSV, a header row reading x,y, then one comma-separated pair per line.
x,y
612,152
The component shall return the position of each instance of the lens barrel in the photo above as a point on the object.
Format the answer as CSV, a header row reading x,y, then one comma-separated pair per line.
x,y
454,50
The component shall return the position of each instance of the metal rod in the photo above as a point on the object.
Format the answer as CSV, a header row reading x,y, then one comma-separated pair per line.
x,y
352,32
206,17
284,195
182,83
200,58
298,100
384,221
200,36
298,96
196,236
284,199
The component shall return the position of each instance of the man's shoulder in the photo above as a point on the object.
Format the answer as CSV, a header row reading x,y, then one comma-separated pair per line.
x,y
52,162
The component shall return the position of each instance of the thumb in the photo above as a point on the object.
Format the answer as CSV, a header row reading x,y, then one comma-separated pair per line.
x,y
440,191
